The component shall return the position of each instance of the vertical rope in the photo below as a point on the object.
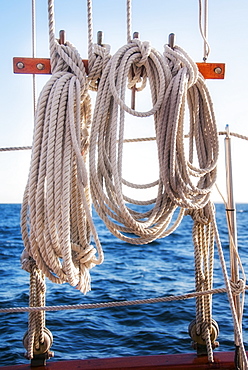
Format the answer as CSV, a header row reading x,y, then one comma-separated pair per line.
x,y
237,329
129,20
52,40
90,35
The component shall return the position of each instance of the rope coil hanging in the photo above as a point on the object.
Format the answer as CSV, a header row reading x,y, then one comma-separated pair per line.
x,y
56,216
173,78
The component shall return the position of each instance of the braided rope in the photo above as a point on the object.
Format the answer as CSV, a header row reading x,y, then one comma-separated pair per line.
x,y
181,297
237,324
13,148
129,21
56,216
203,239
134,140
36,318
171,77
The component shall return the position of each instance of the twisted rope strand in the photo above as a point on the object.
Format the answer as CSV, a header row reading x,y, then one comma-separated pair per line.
x,y
118,303
59,174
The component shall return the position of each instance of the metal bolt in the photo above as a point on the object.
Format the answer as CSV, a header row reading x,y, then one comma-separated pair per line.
x,y
40,66
218,70
20,65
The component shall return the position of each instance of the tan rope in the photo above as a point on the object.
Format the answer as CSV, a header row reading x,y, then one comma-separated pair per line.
x,y
172,78
134,140
203,239
181,297
13,148
237,324
56,216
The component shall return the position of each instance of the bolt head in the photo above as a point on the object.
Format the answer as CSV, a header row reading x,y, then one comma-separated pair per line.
x,y
40,66
218,70
20,65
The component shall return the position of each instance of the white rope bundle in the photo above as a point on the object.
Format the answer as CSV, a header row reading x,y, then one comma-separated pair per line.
x,y
177,172
173,79
56,216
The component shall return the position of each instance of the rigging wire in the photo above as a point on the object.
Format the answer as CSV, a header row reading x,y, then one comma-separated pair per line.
x,y
203,26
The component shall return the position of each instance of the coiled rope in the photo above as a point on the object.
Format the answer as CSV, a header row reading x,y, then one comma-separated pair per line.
x,y
172,78
56,216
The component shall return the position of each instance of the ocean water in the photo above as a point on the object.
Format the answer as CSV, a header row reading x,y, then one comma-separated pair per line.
x,y
164,267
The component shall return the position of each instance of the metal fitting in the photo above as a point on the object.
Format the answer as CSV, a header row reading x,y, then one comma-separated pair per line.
x,y
43,353
198,340
20,65
40,66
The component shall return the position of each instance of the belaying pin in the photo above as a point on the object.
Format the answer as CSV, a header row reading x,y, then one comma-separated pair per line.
x,y
172,40
135,36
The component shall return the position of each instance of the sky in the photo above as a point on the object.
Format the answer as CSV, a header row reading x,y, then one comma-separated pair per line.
x,y
154,20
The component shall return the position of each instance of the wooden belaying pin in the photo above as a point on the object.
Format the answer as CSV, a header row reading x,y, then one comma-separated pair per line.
x,y
171,40
135,36
62,37
100,38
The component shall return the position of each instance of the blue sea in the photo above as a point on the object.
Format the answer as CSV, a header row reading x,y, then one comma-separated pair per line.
x,y
164,267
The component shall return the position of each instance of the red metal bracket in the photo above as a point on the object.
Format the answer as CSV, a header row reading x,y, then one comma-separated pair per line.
x,y
212,70
42,66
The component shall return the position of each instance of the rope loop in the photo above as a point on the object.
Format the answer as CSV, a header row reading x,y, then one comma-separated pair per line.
x,y
56,212
100,58
27,262
202,216
144,49
138,54
177,59
238,287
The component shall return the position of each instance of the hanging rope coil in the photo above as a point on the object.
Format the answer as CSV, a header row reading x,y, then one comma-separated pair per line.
x,y
56,216
173,79
178,171
106,147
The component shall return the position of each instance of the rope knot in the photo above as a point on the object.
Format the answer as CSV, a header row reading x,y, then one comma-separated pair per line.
x,y
67,59
86,260
238,287
86,255
202,215
177,59
27,262
100,58
137,75
145,50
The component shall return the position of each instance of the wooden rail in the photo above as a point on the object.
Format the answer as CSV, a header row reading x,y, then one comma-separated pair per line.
x,y
42,66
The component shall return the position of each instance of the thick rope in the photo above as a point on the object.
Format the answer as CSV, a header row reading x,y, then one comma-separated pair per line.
x,y
36,319
173,78
203,239
98,55
56,216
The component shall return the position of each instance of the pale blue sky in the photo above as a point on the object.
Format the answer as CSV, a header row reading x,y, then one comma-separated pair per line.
x,y
228,32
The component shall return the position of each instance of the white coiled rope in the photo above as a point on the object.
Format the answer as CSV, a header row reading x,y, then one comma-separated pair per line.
x,y
56,216
173,79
